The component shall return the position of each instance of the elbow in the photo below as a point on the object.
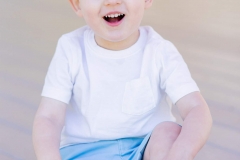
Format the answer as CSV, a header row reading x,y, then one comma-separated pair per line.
x,y
207,118
210,118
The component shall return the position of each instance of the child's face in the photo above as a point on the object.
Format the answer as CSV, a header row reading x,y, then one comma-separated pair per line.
x,y
112,20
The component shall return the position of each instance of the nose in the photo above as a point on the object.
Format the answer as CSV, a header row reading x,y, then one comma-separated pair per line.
x,y
112,2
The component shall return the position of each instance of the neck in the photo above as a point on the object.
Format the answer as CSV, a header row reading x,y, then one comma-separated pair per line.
x,y
120,45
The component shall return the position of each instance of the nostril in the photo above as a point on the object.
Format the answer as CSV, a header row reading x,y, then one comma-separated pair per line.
x,y
112,2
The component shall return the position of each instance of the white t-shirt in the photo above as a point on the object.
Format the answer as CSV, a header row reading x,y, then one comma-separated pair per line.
x,y
115,94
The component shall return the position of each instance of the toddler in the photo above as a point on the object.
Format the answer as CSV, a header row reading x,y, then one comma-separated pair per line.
x,y
109,89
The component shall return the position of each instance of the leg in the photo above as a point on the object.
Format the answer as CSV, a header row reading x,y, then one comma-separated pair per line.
x,y
161,140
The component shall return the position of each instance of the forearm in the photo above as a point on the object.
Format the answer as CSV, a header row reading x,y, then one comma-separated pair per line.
x,y
46,139
193,136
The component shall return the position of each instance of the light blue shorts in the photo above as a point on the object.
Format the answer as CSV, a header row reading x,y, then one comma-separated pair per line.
x,y
119,149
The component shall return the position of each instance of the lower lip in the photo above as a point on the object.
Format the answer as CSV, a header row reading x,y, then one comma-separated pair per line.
x,y
115,24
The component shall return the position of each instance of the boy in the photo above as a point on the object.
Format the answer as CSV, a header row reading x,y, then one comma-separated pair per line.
x,y
116,77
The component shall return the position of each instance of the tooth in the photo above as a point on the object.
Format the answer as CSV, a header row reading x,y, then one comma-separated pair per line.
x,y
116,15
112,15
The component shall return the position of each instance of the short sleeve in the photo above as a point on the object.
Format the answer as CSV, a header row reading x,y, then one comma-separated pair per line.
x,y
175,77
58,84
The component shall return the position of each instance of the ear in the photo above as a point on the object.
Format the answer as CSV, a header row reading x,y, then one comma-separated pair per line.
x,y
76,7
148,3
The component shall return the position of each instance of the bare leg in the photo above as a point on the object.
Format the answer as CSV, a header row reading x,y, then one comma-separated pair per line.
x,y
161,140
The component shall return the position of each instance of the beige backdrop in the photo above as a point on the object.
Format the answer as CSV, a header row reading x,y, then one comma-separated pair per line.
x,y
206,32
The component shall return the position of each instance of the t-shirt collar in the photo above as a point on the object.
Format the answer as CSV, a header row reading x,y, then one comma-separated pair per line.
x,y
96,49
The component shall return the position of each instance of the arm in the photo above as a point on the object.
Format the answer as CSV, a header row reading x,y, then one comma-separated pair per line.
x,y
196,127
47,128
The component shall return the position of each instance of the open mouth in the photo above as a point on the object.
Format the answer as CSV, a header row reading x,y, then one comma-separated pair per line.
x,y
114,18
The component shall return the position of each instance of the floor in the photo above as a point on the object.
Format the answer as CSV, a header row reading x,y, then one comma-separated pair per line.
x,y
205,32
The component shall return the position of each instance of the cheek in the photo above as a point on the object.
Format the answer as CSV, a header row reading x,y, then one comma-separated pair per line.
x,y
137,14
136,19
92,20
91,15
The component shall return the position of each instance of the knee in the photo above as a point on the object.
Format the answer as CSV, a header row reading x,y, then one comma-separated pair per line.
x,y
170,129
